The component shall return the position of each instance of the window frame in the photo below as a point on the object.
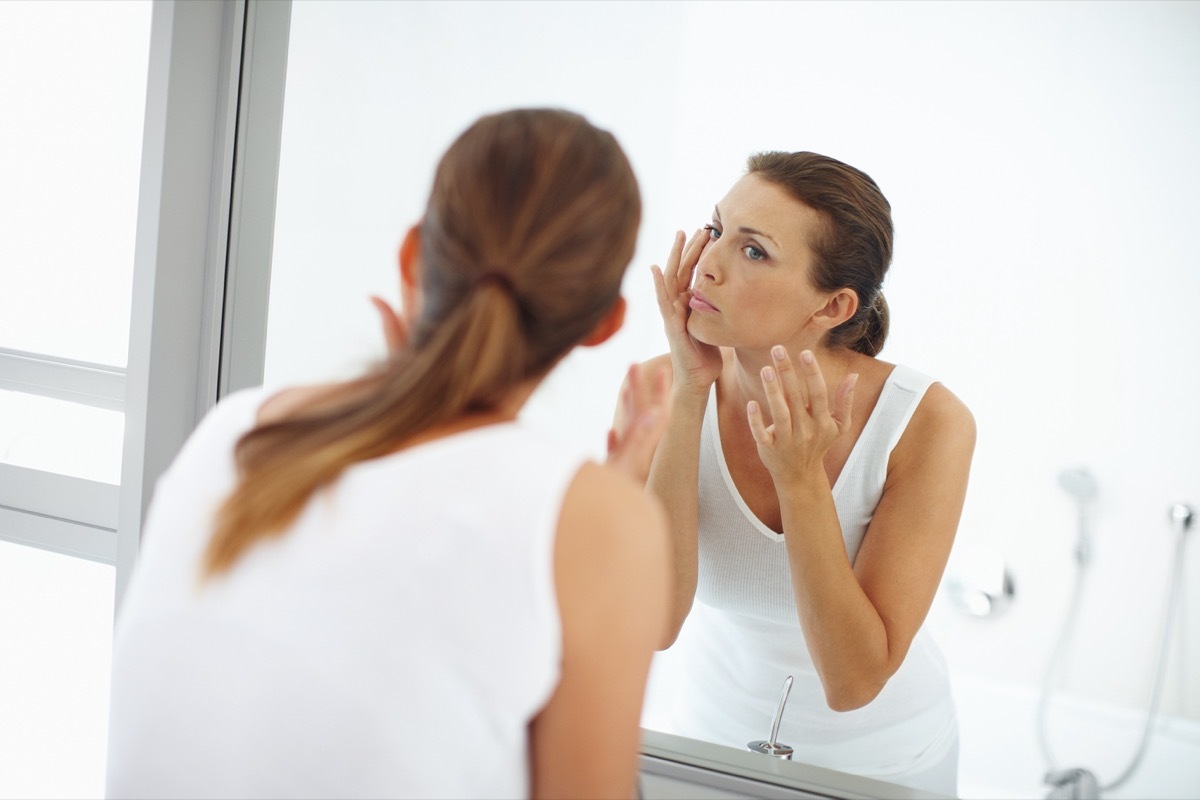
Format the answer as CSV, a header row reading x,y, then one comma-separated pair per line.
x,y
214,114
201,277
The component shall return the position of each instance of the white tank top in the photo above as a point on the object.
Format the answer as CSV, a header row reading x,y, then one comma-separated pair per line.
x,y
722,679
396,642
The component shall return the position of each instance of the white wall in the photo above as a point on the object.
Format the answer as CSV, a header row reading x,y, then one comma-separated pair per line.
x,y
1042,164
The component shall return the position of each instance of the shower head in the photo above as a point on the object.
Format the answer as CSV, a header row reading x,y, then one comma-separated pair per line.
x,y
1079,483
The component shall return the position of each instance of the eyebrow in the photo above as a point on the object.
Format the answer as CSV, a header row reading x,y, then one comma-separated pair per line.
x,y
745,229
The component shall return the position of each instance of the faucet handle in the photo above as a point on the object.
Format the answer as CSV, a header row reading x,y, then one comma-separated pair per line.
x,y
772,747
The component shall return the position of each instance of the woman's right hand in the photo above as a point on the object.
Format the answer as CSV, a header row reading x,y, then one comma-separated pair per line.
x,y
638,425
695,364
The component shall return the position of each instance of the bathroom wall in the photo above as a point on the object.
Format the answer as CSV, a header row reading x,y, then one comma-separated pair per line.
x,y
1041,162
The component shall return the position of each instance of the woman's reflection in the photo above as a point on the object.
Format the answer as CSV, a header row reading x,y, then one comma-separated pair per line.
x,y
813,489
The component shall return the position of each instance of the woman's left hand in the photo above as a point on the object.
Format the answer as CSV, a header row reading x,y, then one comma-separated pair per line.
x,y
804,422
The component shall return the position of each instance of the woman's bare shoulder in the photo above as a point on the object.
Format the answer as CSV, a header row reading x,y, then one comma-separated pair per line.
x,y
943,406
607,501
941,422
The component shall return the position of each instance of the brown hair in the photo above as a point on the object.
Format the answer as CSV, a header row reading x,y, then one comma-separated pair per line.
x,y
854,249
530,225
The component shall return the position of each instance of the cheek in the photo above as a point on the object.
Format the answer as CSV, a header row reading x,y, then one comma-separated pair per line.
x,y
771,312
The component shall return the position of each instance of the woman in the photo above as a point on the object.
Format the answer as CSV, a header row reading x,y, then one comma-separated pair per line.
x,y
388,587
813,490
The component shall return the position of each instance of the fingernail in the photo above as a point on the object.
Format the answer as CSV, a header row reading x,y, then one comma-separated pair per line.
x,y
778,352
807,357
768,374
752,407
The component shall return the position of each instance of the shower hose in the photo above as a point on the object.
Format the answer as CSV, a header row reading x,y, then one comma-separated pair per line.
x,y
1057,656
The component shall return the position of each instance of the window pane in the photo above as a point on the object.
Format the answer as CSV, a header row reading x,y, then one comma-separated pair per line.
x,y
61,437
73,89
56,617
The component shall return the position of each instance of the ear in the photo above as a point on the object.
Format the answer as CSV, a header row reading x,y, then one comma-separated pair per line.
x,y
608,325
839,307
410,272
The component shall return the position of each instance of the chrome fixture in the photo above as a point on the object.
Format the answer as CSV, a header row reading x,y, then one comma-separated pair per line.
x,y
1079,484
1078,782
1072,784
979,581
772,747
1182,517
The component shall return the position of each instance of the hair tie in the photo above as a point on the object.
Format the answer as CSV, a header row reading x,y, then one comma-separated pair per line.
x,y
498,278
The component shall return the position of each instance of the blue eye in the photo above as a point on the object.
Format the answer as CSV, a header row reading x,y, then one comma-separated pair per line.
x,y
753,253
713,232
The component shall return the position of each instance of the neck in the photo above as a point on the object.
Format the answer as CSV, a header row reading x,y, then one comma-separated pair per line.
x,y
745,371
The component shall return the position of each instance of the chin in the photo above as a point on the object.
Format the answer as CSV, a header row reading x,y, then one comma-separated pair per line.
x,y
705,335
701,332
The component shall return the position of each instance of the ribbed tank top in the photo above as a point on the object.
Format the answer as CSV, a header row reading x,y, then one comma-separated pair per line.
x,y
721,681
396,642
743,563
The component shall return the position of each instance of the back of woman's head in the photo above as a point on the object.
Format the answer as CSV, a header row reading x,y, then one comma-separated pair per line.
x,y
853,247
530,225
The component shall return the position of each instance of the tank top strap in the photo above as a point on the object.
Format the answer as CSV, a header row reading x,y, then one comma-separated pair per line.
x,y
902,393
861,481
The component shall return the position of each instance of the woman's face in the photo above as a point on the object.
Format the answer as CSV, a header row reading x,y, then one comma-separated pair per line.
x,y
751,288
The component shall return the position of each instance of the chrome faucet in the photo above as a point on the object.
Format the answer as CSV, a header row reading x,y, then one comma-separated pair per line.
x,y
772,747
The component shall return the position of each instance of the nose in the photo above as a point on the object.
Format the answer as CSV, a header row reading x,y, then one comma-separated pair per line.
x,y
707,266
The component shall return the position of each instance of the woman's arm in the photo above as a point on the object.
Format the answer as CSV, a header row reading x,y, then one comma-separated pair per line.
x,y
687,373
674,480
860,621
610,572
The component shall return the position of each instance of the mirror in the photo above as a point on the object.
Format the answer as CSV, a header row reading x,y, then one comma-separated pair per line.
x,y
1041,164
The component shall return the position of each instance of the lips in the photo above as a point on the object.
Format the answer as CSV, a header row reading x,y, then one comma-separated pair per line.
x,y
701,303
